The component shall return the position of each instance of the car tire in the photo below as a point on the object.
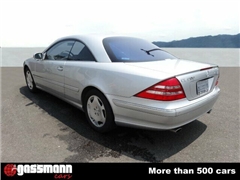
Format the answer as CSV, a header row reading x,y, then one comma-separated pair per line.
x,y
29,80
98,111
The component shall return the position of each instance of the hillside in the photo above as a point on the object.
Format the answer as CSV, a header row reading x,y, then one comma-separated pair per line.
x,y
218,41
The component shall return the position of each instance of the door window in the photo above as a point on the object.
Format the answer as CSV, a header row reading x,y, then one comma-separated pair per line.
x,y
60,51
80,52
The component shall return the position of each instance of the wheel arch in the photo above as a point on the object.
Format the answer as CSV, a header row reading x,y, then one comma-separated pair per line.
x,y
87,89
25,68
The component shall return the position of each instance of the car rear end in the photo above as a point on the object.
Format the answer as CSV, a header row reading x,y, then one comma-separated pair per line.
x,y
172,102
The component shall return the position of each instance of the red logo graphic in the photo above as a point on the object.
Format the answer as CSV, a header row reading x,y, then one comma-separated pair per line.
x,y
10,169
63,176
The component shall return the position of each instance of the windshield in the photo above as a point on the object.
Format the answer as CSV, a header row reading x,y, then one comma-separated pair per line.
x,y
128,49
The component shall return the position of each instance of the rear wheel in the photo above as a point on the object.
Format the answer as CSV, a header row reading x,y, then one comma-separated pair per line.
x,y
30,81
98,111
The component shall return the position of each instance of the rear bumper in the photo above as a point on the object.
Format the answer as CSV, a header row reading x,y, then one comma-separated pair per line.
x,y
149,114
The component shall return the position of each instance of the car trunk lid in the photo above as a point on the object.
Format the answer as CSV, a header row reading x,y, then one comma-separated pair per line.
x,y
197,79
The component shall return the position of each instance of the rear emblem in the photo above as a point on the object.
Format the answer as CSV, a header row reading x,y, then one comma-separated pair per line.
x,y
191,78
188,79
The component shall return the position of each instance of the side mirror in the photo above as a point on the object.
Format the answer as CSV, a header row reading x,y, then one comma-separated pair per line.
x,y
38,56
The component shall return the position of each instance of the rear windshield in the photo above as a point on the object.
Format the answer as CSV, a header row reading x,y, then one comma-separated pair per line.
x,y
128,49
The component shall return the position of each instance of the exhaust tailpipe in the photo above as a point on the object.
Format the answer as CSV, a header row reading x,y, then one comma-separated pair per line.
x,y
209,111
176,130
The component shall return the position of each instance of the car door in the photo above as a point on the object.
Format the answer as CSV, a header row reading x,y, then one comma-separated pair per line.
x,y
51,69
75,71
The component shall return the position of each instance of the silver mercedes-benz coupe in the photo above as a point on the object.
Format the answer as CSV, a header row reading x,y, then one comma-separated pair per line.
x,y
124,81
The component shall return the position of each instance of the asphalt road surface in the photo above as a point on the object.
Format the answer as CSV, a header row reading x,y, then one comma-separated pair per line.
x,y
41,128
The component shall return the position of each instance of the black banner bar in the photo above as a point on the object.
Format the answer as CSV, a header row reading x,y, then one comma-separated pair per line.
x,y
80,170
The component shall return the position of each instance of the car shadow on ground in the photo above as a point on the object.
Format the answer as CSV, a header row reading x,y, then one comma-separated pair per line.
x,y
90,146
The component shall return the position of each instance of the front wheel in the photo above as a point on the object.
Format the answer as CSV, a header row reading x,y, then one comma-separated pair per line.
x,y
30,81
98,111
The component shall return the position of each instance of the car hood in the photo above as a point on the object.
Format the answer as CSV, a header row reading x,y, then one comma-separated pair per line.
x,y
172,66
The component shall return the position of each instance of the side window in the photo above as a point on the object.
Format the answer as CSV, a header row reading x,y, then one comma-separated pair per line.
x,y
59,51
80,52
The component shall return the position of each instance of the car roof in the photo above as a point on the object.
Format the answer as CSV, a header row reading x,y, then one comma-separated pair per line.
x,y
93,42
88,38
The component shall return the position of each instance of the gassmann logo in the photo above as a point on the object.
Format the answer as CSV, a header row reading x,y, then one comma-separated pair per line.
x,y
57,169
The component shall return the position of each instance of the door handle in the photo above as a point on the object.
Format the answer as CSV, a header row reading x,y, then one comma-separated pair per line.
x,y
60,68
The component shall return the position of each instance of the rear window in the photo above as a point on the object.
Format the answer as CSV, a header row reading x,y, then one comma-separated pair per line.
x,y
129,49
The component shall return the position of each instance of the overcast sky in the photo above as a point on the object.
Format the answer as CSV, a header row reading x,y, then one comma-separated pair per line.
x,y
39,22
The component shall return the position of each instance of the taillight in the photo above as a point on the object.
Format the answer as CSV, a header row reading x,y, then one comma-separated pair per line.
x,y
217,80
167,90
